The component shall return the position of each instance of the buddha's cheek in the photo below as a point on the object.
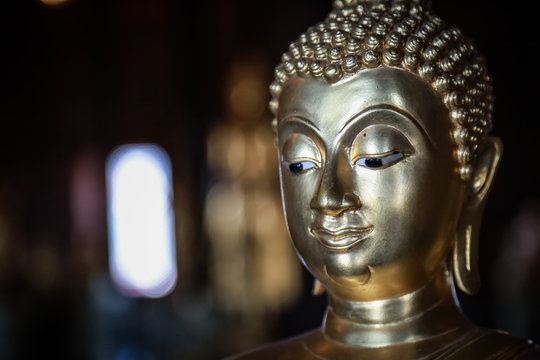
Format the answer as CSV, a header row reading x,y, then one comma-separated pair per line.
x,y
297,192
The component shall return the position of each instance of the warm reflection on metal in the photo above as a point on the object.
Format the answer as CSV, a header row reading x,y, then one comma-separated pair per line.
x,y
382,113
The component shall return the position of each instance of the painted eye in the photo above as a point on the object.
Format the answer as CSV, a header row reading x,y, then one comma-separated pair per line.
x,y
300,166
379,162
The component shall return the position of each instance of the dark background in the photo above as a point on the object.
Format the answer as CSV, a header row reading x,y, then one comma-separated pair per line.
x,y
90,75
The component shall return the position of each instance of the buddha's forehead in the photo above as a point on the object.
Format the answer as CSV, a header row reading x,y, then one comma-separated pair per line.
x,y
332,105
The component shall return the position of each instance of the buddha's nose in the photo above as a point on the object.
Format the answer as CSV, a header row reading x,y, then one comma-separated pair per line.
x,y
335,194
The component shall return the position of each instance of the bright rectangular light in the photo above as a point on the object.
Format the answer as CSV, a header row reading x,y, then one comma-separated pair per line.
x,y
142,253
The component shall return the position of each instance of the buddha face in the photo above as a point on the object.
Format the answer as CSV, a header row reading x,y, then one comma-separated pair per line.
x,y
369,181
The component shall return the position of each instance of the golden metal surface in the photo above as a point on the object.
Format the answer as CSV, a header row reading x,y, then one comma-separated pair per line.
x,y
382,114
367,233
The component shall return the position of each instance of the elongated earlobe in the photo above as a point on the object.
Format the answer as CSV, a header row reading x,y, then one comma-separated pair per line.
x,y
465,254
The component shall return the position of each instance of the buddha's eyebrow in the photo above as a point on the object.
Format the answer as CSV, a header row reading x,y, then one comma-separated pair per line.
x,y
296,118
408,116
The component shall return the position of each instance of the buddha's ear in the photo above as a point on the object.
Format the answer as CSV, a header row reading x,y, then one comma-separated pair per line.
x,y
465,255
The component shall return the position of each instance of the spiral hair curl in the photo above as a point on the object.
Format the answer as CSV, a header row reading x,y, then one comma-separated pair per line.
x,y
359,34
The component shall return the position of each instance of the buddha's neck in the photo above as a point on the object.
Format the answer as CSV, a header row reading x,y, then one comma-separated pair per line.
x,y
429,312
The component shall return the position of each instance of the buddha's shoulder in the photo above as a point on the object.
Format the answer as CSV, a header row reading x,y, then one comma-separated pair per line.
x,y
291,348
477,344
494,344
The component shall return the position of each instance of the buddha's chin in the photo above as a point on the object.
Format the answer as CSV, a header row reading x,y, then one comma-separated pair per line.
x,y
358,278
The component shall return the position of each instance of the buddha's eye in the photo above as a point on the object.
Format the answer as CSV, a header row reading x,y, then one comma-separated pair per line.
x,y
300,166
379,162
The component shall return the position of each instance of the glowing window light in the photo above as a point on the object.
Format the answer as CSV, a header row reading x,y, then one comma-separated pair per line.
x,y
54,3
142,254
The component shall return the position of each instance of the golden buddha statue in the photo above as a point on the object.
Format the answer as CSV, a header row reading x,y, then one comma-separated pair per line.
x,y
382,114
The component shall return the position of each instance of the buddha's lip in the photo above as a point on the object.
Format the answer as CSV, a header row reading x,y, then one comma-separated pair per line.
x,y
341,239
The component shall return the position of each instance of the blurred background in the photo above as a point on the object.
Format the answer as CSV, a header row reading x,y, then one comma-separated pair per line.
x,y
80,78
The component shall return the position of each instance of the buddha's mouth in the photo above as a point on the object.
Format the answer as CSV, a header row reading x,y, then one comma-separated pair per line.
x,y
343,239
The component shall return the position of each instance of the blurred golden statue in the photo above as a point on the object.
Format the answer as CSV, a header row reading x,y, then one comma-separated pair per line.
x,y
253,270
382,113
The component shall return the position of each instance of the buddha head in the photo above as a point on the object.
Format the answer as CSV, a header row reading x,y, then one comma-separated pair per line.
x,y
382,114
